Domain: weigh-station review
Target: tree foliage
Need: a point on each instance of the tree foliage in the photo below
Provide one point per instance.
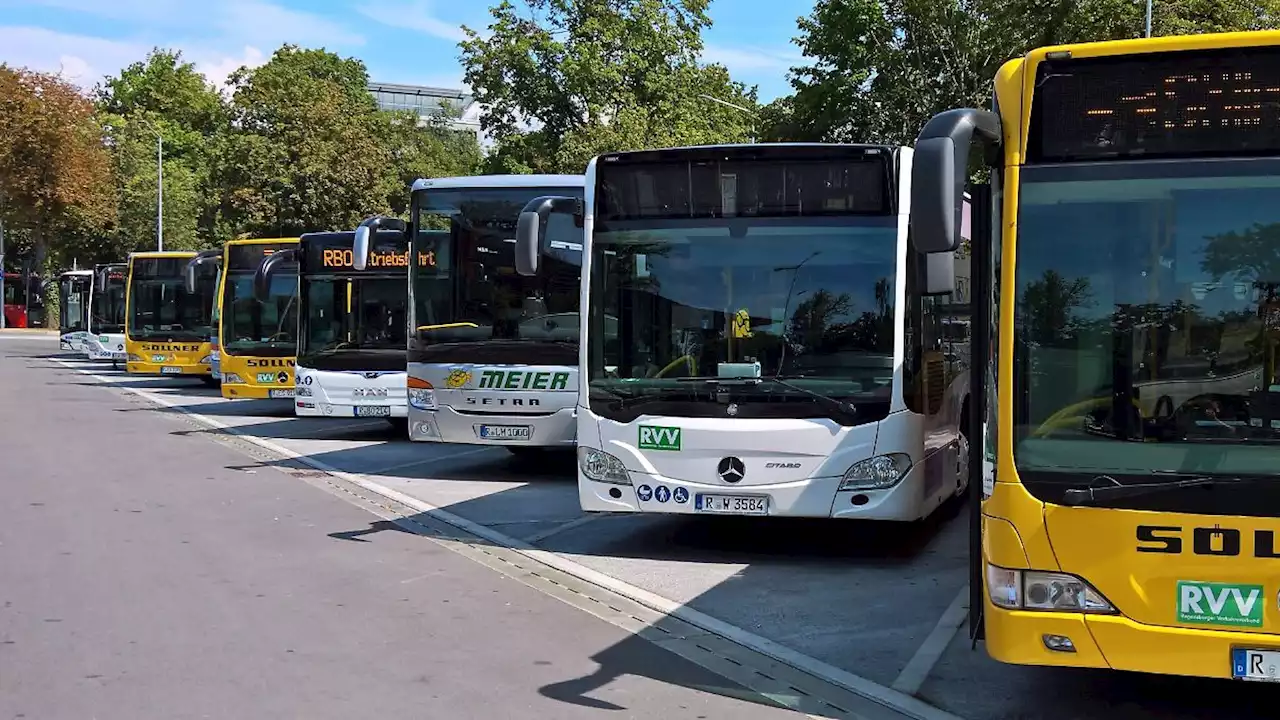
(881, 68)
(55, 172)
(564, 80)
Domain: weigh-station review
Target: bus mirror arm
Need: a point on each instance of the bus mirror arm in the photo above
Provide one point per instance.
(189, 273)
(267, 268)
(364, 234)
(531, 226)
(940, 172)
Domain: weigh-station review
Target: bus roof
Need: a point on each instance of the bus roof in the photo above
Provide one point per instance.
(660, 153)
(261, 241)
(162, 254)
(500, 181)
(1166, 43)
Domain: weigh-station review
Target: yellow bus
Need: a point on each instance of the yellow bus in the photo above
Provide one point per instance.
(1126, 318)
(168, 328)
(258, 340)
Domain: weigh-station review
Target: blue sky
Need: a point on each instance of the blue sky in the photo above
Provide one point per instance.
(407, 41)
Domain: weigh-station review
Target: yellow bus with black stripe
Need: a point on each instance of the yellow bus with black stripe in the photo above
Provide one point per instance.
(1126, 328)
(168, 328)
(258, 338)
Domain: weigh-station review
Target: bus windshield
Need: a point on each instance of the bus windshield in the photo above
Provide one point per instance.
(108, 304)
(1161, 324)
(268, 328)
(74, 310)
(806, 292)
(159, 306)
(473, 293)
(377, 319)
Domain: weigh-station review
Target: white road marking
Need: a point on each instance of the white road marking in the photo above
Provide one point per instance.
(930, 651)
(886, 696)
(552, 532)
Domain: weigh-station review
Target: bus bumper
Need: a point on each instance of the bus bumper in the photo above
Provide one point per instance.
(168, 369)
(817, 497)
(1115, 642)
(248, 391)
(310, 407)
(446, 425)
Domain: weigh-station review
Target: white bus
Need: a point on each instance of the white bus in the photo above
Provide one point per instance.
(74, 288)
(760, 339)
(493, 356)
(352, 326)
(105, 340)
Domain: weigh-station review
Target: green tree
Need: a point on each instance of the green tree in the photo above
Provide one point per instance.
(424, 148)
(881, 68)
(564, 80)
(162, 96)
(55, 172)
(303, 152)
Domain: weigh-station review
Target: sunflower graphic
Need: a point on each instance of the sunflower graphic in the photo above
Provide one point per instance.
(457, 378)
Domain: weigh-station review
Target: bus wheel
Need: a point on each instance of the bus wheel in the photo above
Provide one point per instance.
(961, 482)
(209, 380)
(400, 425)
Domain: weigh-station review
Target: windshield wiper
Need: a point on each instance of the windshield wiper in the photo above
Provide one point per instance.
(1080, 497)
(839, 406)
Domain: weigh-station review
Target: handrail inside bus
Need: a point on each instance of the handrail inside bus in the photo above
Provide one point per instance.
(446, 326)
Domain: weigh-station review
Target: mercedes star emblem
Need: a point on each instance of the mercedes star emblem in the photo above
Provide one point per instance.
(731, 469)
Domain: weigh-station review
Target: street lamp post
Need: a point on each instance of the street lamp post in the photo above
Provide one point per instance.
(1148, 18)
(726, 103)
(159, 184)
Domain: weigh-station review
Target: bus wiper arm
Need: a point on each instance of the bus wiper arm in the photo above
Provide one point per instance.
(1080, 497)
(840, 406)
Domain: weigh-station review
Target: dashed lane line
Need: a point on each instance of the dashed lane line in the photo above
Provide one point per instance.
(866, 699)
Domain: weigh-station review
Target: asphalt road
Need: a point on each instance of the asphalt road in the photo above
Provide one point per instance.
(517, 602)
(148, 575)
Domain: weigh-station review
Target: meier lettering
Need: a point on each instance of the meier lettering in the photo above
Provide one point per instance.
(523, 380)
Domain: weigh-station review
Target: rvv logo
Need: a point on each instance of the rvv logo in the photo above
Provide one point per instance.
(1207, 603)
(658, 437)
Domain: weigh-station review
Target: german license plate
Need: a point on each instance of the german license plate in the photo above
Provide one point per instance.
(117, 356)
(373, 411)
(170, 370)
(281, 393)
(506, 432)
(732, 504)
(1257, 665)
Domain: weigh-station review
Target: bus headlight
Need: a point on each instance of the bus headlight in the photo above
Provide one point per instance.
(600, 466)
(877, 473)
(232, 379)
(1036, 590)
(206, 360)
(135, 358)
(422, 394)
(302, 391)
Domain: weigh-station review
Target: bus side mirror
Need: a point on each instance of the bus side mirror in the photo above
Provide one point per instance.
(189, 274)
(267, 268)
(940, 171)
(364, 234)
(531, 227)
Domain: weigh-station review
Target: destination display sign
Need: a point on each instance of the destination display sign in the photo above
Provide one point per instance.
(1169, 104)
(159, 267)
(331, 253)
(246, 258)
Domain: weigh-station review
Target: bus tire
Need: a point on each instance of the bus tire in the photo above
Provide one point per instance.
(962, 483)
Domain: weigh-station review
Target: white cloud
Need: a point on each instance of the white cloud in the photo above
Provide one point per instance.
(750, 60)
(416, 15)
(218, 36)
(80, 59)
